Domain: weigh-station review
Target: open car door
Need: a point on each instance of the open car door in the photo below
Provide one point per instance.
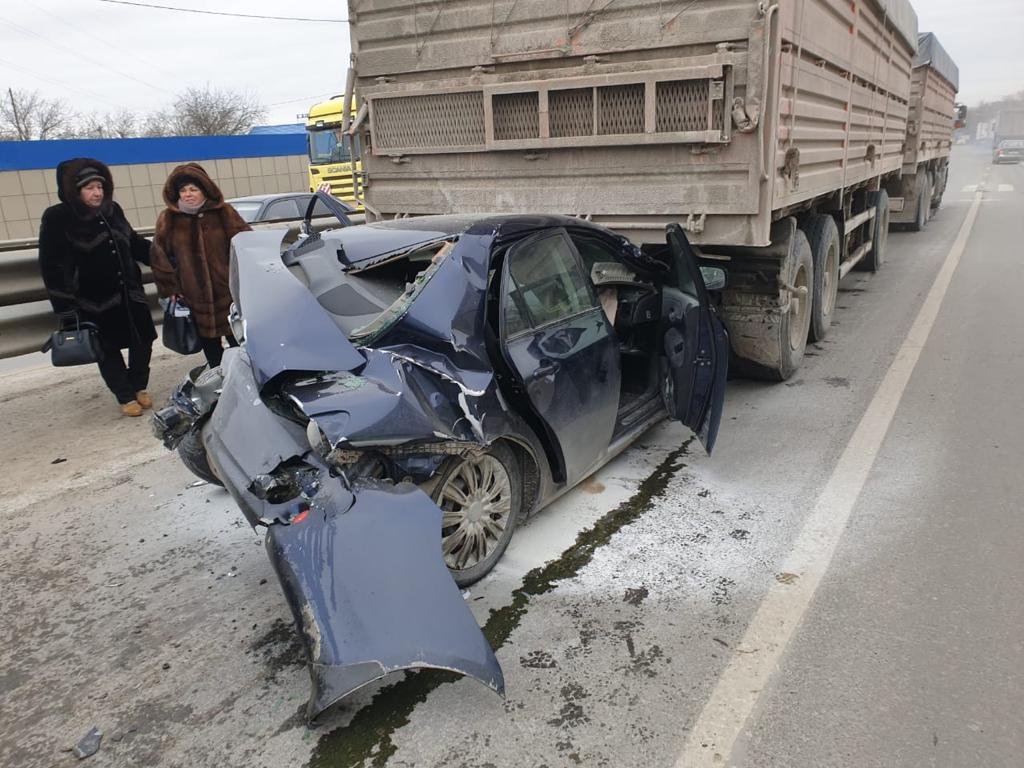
(696, 346)
(562, 351)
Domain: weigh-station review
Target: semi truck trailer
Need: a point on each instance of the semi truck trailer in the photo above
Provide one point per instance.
(933, 115)
(773, 132)
(1009, 126)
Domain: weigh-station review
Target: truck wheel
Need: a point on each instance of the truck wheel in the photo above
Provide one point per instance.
(795, 324)
(193, 455)
(481, 501)
(941, 178)
(921, 213)
(823, 237)
(879, 230)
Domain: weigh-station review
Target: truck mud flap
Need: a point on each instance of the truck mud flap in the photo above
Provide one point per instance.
(369, 590)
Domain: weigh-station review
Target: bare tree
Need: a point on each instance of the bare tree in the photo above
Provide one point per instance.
(208, 111)
(203, 111)
(27, 115)
(122, 124)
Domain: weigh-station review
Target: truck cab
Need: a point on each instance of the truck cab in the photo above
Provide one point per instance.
(330, 152)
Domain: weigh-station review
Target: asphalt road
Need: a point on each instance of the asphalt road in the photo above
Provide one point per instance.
(141, 603)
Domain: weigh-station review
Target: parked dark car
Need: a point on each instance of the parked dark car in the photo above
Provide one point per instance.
(1009, 151)
(406, 392)
(283, 206)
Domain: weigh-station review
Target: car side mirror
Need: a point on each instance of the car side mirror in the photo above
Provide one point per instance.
(714, 278)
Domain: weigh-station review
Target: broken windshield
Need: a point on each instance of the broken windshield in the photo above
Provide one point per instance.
(428, 259)
(366, 299)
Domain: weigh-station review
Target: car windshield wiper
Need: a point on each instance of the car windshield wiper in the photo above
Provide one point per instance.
(339, 209)
(308, 239)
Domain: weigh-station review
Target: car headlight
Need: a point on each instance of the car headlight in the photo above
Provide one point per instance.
(237, 323)
(317, 439)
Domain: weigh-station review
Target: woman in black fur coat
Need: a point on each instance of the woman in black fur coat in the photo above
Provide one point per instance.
(88, 256)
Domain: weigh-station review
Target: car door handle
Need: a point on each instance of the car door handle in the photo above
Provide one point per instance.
(546, 368)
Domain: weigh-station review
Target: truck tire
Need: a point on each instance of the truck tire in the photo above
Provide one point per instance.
(941, 178)
(769, 314)
(879, 230)
(921, 203)
(193, 455)
(796, 323)
(823, 237)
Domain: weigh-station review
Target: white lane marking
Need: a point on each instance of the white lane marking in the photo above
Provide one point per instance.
(1006, 187)
(971, 188)
(747, 674)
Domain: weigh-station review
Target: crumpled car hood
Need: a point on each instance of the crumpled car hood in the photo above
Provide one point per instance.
(360, 565)
(303, 338)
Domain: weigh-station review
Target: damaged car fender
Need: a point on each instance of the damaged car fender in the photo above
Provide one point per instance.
(371, 594)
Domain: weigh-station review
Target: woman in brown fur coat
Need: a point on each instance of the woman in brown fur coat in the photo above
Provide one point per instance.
(191, 253)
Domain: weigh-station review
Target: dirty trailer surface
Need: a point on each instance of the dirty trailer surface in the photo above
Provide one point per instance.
(436, 381)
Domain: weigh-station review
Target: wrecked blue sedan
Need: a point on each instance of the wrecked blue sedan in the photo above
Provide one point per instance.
(407, 391)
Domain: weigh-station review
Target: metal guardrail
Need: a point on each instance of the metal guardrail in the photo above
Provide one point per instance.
(26, 318)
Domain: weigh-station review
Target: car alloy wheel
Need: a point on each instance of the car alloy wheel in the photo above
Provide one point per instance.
(478, 504)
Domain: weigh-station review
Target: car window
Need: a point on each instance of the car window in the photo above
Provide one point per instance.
(283, 209)
(247, 210)
(545, 284)
(318, 210)
(593, 251)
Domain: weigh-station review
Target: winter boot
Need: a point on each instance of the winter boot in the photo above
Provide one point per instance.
(131, 408)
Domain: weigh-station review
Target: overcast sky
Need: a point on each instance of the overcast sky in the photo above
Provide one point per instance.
(101, 56)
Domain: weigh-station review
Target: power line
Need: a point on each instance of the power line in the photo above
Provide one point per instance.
(222, 13)
(93, 36)
(59, 83)
(293, 101)
(78, 54)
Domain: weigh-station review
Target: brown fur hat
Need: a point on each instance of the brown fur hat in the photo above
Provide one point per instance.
(195, 174)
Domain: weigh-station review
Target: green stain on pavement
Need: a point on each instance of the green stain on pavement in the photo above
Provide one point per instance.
(367, 737)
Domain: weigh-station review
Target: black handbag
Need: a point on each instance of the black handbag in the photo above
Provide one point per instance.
(75, 346)
(179, 333)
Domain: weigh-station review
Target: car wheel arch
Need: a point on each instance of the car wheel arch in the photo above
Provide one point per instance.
(529, 471)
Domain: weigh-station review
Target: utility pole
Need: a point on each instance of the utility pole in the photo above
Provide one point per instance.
(17, 121)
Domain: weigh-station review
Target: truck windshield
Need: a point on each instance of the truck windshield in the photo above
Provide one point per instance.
(325, 146)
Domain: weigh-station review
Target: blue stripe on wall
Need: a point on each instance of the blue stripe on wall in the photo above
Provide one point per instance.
(28, 155)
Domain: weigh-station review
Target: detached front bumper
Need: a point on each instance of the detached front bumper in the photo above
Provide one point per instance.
(360, 564)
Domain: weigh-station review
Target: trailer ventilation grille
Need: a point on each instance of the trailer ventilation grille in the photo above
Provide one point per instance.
(436, 120)
(682, 105)
(620, 109)
(571, 112)
(516, 116)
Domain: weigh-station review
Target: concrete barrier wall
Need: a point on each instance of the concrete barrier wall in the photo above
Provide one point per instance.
(24, 195)
(241, 165)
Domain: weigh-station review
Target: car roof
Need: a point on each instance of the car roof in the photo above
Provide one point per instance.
(265, 198)
(396, 235)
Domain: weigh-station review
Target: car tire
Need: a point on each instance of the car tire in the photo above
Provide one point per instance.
(879, 230)
(193, 455)
(823, 237)
(481, 501)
